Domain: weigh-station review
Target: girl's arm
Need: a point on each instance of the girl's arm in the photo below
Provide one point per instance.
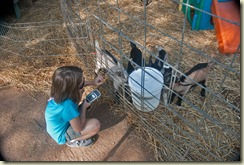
(79, 122)
(97, 81)
(83, 107)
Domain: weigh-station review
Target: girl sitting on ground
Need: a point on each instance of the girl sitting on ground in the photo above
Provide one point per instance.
(65, 119)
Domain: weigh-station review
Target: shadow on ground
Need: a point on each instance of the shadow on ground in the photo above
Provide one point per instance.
(23, 136)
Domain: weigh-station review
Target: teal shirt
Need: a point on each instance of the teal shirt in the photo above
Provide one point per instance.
(57, 118)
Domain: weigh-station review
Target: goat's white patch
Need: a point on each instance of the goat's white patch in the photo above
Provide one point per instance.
(115, 71)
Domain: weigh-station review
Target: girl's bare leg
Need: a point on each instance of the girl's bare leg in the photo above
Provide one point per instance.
(91, 128)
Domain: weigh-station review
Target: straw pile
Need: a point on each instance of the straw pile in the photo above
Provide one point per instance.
(29, 65)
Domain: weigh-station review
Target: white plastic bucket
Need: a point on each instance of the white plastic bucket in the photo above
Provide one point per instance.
(146, 99)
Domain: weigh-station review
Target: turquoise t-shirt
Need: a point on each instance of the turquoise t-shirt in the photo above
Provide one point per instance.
(57, 118)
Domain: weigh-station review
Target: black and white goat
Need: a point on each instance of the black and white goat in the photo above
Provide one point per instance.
(115, 70)
(162, 57)
(136, 57)
(105, 60)
(160, 64)
(198, 74)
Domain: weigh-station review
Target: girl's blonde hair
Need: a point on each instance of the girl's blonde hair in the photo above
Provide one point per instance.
(65, 84)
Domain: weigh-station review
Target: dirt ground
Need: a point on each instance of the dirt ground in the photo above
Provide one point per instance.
(23, 136)
(22, 131)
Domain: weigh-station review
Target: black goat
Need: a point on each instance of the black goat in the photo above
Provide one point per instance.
(165, 69)
(158, 64)
(197, 74)
(159, 61)
(135, 56)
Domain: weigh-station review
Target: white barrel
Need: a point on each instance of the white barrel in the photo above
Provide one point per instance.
(146, 99)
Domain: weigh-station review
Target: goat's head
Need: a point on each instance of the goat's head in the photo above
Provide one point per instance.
(117, 74)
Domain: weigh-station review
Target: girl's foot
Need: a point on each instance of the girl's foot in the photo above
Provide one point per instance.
(81, 143)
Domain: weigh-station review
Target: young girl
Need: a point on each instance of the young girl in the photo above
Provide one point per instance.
(66, 122)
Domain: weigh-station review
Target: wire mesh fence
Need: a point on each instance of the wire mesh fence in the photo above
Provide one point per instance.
(202, 128)
(34, 39)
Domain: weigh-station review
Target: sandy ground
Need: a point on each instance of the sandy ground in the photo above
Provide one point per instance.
(23, 136)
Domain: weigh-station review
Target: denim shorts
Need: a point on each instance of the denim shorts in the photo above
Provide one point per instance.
(70, 134)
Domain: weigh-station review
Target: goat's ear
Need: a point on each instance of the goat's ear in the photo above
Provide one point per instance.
(166, 58)
(97, 48)
(158, 49)
(150, 60)
(132, 45)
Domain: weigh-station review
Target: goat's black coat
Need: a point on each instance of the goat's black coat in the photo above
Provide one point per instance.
(168, 73)
(136, 56)
(158, 64)
(193, 69)
(111, 56)
(197, 67)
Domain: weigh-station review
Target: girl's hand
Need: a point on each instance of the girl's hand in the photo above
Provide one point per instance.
(85, 104)
(81, 91)
(98, 80)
